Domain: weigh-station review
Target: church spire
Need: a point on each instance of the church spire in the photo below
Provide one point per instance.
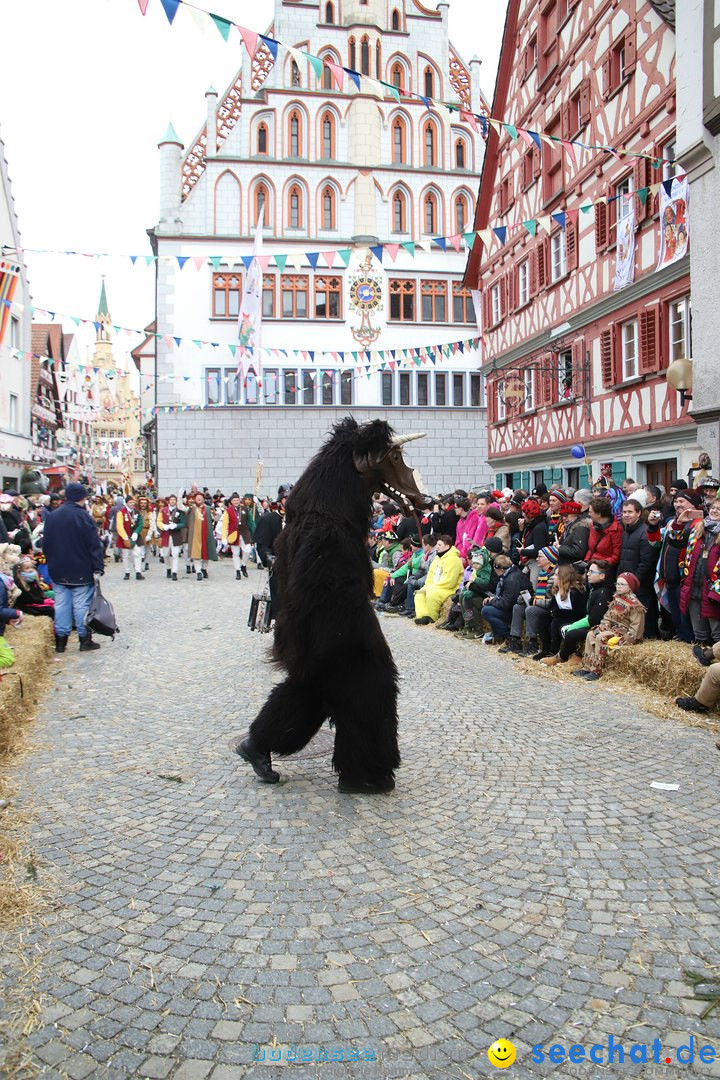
(103, 316)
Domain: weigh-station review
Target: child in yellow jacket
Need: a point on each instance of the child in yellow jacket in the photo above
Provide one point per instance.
(444, 577)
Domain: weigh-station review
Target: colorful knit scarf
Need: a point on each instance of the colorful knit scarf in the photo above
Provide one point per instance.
(685, 562)
(544, 585)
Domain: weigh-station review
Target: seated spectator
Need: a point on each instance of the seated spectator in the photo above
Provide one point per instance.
(638, 556)
(623, 624)
(396, 578)
(606, 534)
(465, 616)
(497, 609)
(708, 694)
(557, 497)
(535, 536)
(387, 554)
(33, 597)
(575, 533)
(467, 526)
(700, 581)
(442, 580)
(497, 526)
(417, 578)
(600, 591)
(568, 604)
(535, 612)
(9, 556)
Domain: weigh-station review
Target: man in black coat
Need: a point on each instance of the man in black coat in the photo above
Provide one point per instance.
(639, 557)
(74, 555)
(267, 530)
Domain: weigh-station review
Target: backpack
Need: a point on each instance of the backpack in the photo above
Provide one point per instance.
(100, 617)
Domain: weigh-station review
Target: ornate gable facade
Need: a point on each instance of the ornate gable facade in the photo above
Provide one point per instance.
(569, 360)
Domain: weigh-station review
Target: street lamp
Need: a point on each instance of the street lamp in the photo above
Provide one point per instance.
(679, 376)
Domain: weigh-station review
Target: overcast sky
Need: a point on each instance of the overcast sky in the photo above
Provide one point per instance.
(87, 88)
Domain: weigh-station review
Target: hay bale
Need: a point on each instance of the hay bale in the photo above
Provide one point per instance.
(22, 685)
(665, 667)
(444, 611)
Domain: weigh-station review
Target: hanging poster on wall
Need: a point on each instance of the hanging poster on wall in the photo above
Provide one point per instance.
(674, 220)
(625, 262)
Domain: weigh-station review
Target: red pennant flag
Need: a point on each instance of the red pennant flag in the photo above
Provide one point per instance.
(525, 137)
(251, 40)
(329, 257)
(469, 118)
(456, 241)
(392, 250)
(264, 261)
(143, 5)
(199, 261)
(570, 149)
(338, 73)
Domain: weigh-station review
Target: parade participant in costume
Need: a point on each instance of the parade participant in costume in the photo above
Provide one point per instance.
(142, 531)
(251, 512)
(127, 525)
(201, 541)
(153, 534)
(231, 534)
(337, 661)
(624, 621)
(172, 526)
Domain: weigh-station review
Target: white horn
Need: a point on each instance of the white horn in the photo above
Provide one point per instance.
(400, 440)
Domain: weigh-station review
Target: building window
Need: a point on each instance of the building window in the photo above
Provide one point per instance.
(262, 143)
(461, 213)
(399, 131)
(270, 386)
(261, 204)
(558, 255)
(397, 76)
(308, 387)
(463, 308)
(294, 74)
(294, 295)
(212, 386)
(290, 396)
(681, 329)
(669, 167)
(327, 388)
(13, 412)
(327, 297)
(226, 295)
(495, 303)
(619, 62)
(623, 203)
(378, 59)
(399, 212)
(477, 391)
(295, 216)
(329, 13)
(460, 154)
(268, 296)
(233, 387)
(395, 19)
(328, 208)
(328, 136)
(365, 56)
(14, 332)
(530, 55)
(429, 144)
(327, 76)
(352, 53)
(440, 388)
(429, 80)
(430, 213)
(458, 389)
(346, 385)
(529, 387)
(423, 390)
(500, 400)
(629, 343)
(434, 301)
(523, 293)
(565, 374)
(404, 387)
(295, 133)
(387, 388)
(402, 299)
(553, 164)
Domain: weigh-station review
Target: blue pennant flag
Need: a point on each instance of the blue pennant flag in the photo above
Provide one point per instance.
(378, 252)
(560, 218)
(500, 232)
(311, 354)
(177, 341)
(181, 260)
(247, 260)
(312, 257)
(133, 259)
(426, 101)
(353, 75)
(667, 184)
(171, 8)
(535, 138)
(271, 44)
(483, 126)
(441, 242)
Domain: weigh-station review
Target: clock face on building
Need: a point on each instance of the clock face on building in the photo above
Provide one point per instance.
(365, 293)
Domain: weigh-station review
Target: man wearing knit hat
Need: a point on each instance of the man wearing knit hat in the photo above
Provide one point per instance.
(575, 532)
(74, 555)
(536, 614)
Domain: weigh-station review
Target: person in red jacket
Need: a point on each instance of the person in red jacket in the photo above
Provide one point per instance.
(606, 534)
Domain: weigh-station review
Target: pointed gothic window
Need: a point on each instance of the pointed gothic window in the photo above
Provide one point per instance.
(294, 74)
(327, 76)
(295, 130)
(328, 208)
(365, 56)
(396, 19)
(461, 213)
(429, 82)
(460, 154)
(378, 60)
(262, 143)
(328, 136)
(261, 203)
(399, 212)
(352, 54)
(398, 76)
(399, 141)
(429, 144)
(430, 213)
(295, 207)
(329, 13)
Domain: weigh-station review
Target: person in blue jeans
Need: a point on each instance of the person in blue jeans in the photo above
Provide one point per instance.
(74, 555)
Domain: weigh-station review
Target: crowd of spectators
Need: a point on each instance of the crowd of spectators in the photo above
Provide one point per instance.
(558, 575)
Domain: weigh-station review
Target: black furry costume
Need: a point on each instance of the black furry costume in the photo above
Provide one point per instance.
(327, 636)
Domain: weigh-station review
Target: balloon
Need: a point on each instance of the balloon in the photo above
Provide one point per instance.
(578, 451)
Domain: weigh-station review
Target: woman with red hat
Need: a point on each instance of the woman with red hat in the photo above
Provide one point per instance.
(535, 537)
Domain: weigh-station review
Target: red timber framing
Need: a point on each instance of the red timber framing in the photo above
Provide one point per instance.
(582, 361)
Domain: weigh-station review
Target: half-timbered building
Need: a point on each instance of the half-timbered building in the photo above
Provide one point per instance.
(572, 360)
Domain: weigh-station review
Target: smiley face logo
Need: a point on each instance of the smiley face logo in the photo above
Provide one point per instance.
(501, 1054)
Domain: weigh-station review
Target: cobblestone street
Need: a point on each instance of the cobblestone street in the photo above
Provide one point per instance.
(524, 881)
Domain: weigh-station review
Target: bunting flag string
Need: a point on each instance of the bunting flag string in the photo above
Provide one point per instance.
(251, 39)
(501, 231)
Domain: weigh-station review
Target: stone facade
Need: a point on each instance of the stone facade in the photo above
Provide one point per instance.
(220, 448)
(338, 170)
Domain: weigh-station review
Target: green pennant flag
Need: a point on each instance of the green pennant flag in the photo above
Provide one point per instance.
(345, 254)
(531, 226)
(452, 108)
(196, 342)
(393, 90)
(410, 248)
(280, 261)
(642, 193)
(316, 64)
(512, 131)
(233, 349)
(469, 238)
(215, 260)
(223, 25)
(149, 260)
(586, 209)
